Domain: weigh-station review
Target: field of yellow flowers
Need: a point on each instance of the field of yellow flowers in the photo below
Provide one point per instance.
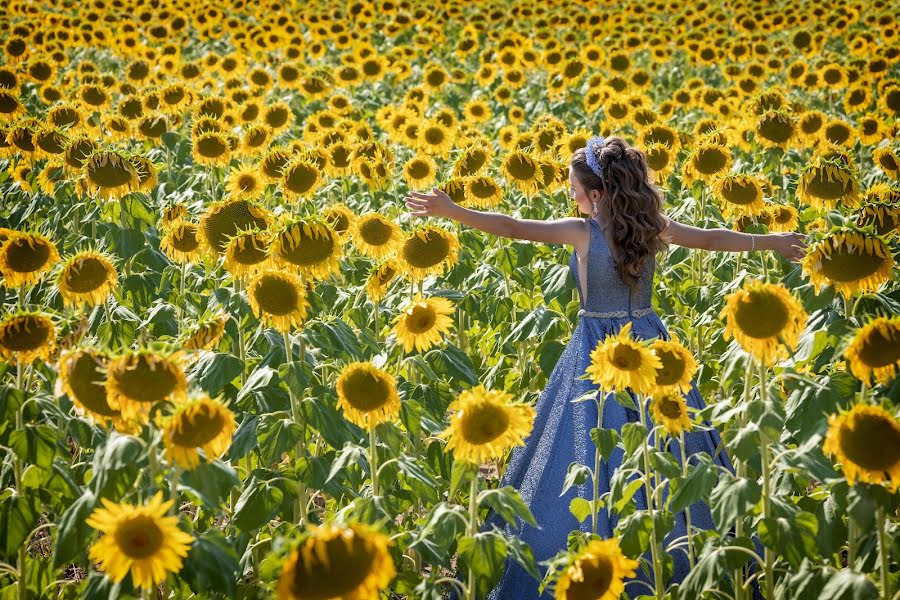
(234, 366)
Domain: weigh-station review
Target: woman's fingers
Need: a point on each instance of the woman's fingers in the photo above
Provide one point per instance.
(422, 195)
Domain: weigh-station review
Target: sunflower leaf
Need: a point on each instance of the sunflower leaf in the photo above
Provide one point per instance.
(508, 503)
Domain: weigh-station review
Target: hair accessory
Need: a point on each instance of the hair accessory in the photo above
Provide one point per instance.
(591, 149)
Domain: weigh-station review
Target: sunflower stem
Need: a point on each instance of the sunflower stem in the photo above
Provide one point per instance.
(595, 500)
(373, 460)
(885, 552)
(687, 511)
(377, 326)
(471, 526)
(21, 586)
(851, 542)
(648, 490)
(769, 557)
(22, 296)
(173, 488)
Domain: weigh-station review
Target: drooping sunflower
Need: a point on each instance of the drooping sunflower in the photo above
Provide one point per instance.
(882, 215)
(82, 377)
(225, 218)
(740, 195)
(474, 160)
(428, 250)
(483, 191)
(597, 572)
(336, 561)
(211, 149)
(485, 424)
(138, 380)
(866, 443)
(620, 362)
(340, 218)
(850, 260)
(419, 171)
(660, 159)
(300, 178)
(381, 277)
(368, 395)
(87, 277)
(245, 181)
(522, 170)
(422, 322)
(775, 128)
(874, 351)
(247, 253)
(109, 175)
(181, 242)
(887, 160)
(206, 334)
(25, 258)
(669, 409)
(278, 299)
(678, 366)
(141, 540)
(27, 336)
(200, 423)
(376, 236)
(707, 161)
(765, 319)
(310, 246)
(825, 182)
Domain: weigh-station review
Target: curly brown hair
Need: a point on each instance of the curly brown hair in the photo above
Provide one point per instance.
(631, 203)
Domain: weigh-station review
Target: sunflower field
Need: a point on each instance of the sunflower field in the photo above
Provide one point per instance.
(233, 365)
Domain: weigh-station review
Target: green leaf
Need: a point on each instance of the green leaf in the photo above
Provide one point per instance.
(625, 399)
(350, 454)
(244, 439)
(276, 435)
(18, 516)
(793, 538)
(34, 444)
(684, 491)
(633, 436)
(635, 531)
(73, 534)
(452, 362)
(214, 370)
(211, 482)
(605, 440)
(508, 503)
(485, 554)
(535, 323)
(437, 536)
(576, 474)
(849, 585)
(580, 508)
(460, 476)
(523, 554)
(211, 566)
(732, 499)
(257, 504)
(627, 493)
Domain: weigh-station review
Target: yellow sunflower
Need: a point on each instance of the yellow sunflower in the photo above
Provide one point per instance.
(784, 218)
(522, 170)
(851, 261)
(620, 362)
(141, 540)
(25, 258)
(422, 322)
(352, 562)
(597, 572)
(200, 423)
(483, 191)
(419, 171)
(245, 181)
(225, 218)
(278, 299)
(765, 318)
(27, 336)
(874, 351)
(678, 366)
(109, 175)
(669, 409)
(310, 246)
(340, 218)
(866, 443)
(82, 377)
(247, 253)
(485, 424)
(888, 161)
(181, 242)
(381, 277)
(376, 236)
(206, 334)
(367, 394)
(739, 195)
(707, 161)
(428, 250)
(138, 380)
(827, 181)
(87, 277)
(300, 178)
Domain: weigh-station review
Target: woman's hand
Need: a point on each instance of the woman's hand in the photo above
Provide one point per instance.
(436, 203)
(791, 245)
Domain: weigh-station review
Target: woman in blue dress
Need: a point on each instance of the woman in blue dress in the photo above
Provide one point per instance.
(613, 265)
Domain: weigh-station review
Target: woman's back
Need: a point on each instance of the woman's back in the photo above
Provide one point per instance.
(605, 290)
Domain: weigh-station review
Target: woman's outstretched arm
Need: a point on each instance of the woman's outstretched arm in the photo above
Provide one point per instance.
(572, 230)
(790, 245)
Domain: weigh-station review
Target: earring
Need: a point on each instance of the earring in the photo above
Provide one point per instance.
(595, 205)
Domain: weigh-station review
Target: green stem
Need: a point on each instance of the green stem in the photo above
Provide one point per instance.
(22, 296)
(377, 325)
(17, 468)
(173, 488)
(373, 460)
(852, 540)
(885, 551)
(741, 468)
(470, 531)
(648, 490)
(687, 511)
(767, 487)
(595, 501)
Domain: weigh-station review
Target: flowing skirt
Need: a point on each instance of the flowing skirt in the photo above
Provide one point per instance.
(561, 436)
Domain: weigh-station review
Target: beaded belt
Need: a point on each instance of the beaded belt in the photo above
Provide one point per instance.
(616, 314)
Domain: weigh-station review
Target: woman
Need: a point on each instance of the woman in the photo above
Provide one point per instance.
(613, 265)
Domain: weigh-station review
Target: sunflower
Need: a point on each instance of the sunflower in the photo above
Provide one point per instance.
(660, 159)
(678, 366)
(244, 181)
(367, 394)
(429, 250)
(775, 128)
(27, 336)
(381, 277)
(707, 161)
(852, 261)
(597, 572)
(140, 379)
(522, 170)
(419, 171)
(181, 242)
(52, 174)
(109, 175)
(278, 299)
(200, 423)
(25, 258)
(484, 424)
(474, 160)
(300, 178)
(376, 236)
(247, 253)
(82, 377)
(340, 218)
(206, 334)
(141, 540)
(826, 181)
(87, 277)
(784, 218)
(740, 195)
(483, 191)
(619, 362)
(422, 322)
(765, 318)
(669, 409)
(888, 161)
(874, 350)
(310, 246)
(866, 442)
(225, 218)
(435, 139)
(352, 562)
(882, 215)
(809, 125)
(146, 173)
(211, 149)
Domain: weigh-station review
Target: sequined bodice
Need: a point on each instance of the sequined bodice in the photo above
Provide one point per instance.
(606, 292)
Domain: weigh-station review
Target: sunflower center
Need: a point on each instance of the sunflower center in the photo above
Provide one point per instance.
(428, 252)
(86, 276)
(658, 158)
(822, 185)
(25, 257)
(300, 178)
(419, 169)
(669, 407)
(598, 577)
(880, 350)
(308, 250)
(250, 251)
(87, 383)
(710, 160)
(483, 423)
(672, 369)
(365, 391)
(276, 297)
(740, 192)
(228, 220)
(212, 146)
(334, 570)
(199, 428)
(483, 187)
(626, 358)
(111, 173)
(375, 232)
(146, 380)
(421, 319)
(761, 315)
(521, 168)
(26, 333)
(776, 129)
(850, 265)
(873, 442)
(139, 537)
(185, 239)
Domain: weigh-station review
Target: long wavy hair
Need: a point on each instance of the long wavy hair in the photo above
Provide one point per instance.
(631, 204)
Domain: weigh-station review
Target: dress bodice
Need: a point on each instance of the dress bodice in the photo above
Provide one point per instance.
(606, 292)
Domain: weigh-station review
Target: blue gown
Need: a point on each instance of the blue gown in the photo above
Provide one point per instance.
(561, 433)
